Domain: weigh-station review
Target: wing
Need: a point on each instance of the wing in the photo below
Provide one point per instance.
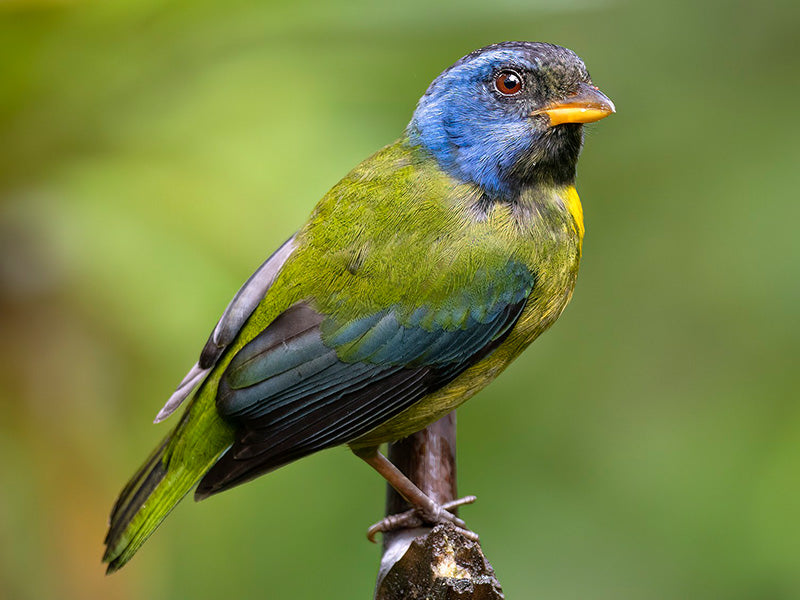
(309, 382)
(240, 308)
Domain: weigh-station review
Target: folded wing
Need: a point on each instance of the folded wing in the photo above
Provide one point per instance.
(310, 381)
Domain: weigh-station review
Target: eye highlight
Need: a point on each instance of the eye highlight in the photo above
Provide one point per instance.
(508, 82)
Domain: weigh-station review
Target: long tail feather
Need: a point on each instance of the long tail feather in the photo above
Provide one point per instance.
(162, 481)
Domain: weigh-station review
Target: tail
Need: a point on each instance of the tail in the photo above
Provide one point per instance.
(162, 481)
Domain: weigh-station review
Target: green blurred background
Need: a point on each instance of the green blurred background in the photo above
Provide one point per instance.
(153, 153)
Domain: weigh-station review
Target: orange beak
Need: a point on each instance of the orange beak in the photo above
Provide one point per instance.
(587, 106)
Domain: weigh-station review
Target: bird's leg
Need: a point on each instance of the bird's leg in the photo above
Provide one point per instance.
(425, 509)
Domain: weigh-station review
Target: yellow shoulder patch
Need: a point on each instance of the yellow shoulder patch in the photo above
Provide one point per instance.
(573, 204)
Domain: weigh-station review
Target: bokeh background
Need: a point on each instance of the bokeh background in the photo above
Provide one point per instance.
(153, 153)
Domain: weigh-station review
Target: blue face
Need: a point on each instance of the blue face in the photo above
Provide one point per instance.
(476, 117)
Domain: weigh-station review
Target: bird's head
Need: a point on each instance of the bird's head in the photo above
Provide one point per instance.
(508, 116)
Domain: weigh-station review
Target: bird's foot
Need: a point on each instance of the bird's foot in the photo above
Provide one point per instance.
(425, 515)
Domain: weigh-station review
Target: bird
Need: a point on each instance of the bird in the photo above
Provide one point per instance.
(417, 279)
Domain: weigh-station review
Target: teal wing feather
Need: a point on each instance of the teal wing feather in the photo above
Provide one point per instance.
(310, 381)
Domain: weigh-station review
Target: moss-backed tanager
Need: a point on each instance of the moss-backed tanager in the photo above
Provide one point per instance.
(416, 280)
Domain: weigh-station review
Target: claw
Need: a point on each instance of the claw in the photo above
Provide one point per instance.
(404, 520)
(459, 502)
(416, 517)
(469, 534)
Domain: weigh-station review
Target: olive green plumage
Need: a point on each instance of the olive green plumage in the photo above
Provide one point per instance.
(408, 290)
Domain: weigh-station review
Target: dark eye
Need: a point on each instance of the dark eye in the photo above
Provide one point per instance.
(508, 82)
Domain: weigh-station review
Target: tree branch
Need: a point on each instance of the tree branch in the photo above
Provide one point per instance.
(437, 563)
